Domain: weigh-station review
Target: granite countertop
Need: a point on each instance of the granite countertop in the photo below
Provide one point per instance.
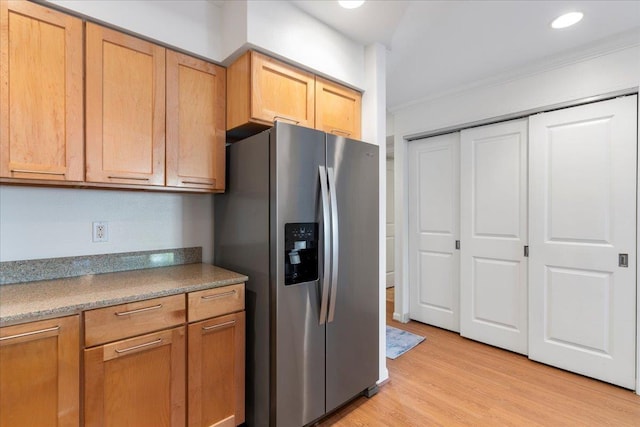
(54, 298)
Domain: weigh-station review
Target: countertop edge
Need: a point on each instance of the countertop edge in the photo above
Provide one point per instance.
(74, 309)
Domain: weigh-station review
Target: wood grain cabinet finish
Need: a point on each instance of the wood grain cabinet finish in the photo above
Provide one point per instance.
(126, 320)
(215, 302)
(196, 95)
(216, 371)
(338, 109)
(125, 108)
(262, 90)
(137, 382)
(40, 373)
(41, 94)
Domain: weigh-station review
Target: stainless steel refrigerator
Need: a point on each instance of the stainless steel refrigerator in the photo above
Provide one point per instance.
(300, 218)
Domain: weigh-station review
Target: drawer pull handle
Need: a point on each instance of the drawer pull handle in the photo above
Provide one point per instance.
(221, 325)
(139, 310)
(216, 296)
(295, 122)
(128, 177)
(26, 334)
(38, 172)
(135, 347)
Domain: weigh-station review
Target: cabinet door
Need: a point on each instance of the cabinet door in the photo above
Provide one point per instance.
(196, 93)
(216, 371)
(137, 382)
(281, 92)
(41, 126)
(125, 108)
(338, 109)
(39, 367)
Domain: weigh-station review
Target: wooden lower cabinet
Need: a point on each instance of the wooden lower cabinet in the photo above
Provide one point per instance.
(137, 382)
(40, 373)
(216, 371)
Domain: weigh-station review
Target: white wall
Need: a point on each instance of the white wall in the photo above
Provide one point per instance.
(193, 25)
(600, 74)
(373, 130)
(282, 30)
(38, 222)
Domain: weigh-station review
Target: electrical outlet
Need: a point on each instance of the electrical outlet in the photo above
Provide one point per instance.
(100, 231)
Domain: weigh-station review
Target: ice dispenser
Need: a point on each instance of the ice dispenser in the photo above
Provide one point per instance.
(301, 252)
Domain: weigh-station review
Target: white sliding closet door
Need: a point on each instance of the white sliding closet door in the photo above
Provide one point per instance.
(493, 231)
(434, 263)
(582, 217)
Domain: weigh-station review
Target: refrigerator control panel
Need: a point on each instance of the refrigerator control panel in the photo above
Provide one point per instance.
(301, 252)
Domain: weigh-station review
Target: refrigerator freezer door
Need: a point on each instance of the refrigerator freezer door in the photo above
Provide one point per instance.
(298, 367)
(352, 337)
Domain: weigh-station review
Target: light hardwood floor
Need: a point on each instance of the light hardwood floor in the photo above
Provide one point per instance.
(448, 380)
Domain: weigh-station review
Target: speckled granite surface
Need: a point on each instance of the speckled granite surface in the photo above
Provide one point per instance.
(55, 268)
(53, 298)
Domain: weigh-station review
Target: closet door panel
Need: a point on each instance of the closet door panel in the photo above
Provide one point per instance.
(434, 265)
(583, 217)
(493, 229)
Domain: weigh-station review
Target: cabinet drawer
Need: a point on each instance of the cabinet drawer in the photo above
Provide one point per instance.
(215, 302)
(126, 320)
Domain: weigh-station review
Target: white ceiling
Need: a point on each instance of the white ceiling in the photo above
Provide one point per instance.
(437, 47)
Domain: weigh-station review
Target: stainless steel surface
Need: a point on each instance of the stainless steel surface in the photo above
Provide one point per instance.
(139, 310)
(352, 338)
(139, 346)
(299, 375)
(218, 326)
(28, 334)
(326, 221)
(335, 252)
(242, 242)
(298, 369)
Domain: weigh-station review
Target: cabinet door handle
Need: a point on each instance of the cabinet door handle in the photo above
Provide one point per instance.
(212, 182)
(27, 334)
(295, 122)
(136, 347)
(216, 296)
(340, 132)
(139, 310)
(221, 325)
(38, 172)
(127, 177)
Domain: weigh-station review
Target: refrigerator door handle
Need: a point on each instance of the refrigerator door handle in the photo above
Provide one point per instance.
(334, 240)
(324, 298)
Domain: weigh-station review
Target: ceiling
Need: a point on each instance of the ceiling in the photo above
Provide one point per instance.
(439, 47)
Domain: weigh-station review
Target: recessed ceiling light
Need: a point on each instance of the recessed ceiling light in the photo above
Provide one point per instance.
(350, 4)
(566, 20)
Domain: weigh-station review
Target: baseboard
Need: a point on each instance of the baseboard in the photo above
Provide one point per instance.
(402, 318)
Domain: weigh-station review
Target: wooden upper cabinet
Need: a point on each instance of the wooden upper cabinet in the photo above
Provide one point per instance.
(338, 109)
(41, 126)
(40, 372)
(196, 95)
(125, 108)
(262, 90)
